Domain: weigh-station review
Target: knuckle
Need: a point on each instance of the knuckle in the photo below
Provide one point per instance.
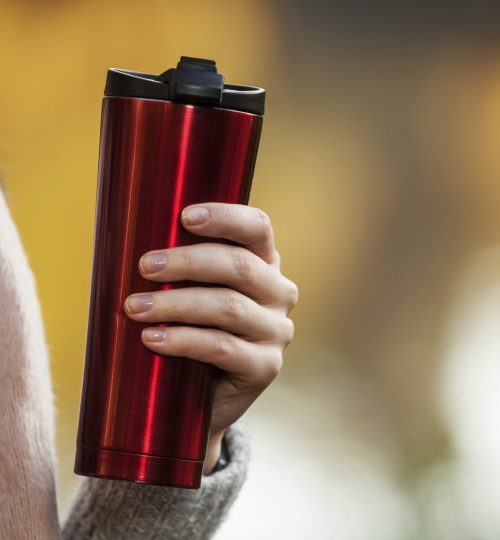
(289, 331)
(277, 258)
(224, 346)
(264, 218)
(232, 305)
(266, 229)
(242, 262)
(186, 256)
(227, 211)
(272, 367)
(291, 294)
(294, 293)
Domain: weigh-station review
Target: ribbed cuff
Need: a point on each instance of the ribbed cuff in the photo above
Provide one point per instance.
(112, 509)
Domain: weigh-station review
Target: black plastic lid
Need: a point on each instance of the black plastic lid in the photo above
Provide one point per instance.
(195, 80)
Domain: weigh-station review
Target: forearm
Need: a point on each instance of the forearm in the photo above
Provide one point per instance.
(213, 452)
(27, 487)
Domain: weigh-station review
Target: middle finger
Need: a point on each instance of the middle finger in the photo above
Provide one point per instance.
(220, 307)
(233, 266)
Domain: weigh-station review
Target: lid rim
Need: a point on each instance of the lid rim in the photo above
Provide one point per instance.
(135, 84)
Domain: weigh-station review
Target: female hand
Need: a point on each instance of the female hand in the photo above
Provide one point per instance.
(249, 310)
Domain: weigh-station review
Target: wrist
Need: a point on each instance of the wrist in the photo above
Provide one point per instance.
(213, 453)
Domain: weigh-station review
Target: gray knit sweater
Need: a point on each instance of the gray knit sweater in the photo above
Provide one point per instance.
(115, 509)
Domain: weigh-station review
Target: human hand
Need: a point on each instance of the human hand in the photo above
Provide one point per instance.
(249, 312)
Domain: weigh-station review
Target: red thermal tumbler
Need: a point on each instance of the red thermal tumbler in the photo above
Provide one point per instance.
(167, 141)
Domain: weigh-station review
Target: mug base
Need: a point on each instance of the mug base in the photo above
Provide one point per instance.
(139, 468)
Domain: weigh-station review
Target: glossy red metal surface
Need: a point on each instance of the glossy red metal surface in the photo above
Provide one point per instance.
(145, 417)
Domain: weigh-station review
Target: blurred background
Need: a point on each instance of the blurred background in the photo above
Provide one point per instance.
(379, 165)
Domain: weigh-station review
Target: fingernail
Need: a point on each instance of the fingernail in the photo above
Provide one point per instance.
(138, 303)
(153, 262)
(153, 334)
(195, 216)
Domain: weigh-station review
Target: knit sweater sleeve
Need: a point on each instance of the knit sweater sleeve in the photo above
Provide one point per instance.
(114, 509)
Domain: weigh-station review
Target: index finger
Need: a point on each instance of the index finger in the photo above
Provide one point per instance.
(240, 223)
